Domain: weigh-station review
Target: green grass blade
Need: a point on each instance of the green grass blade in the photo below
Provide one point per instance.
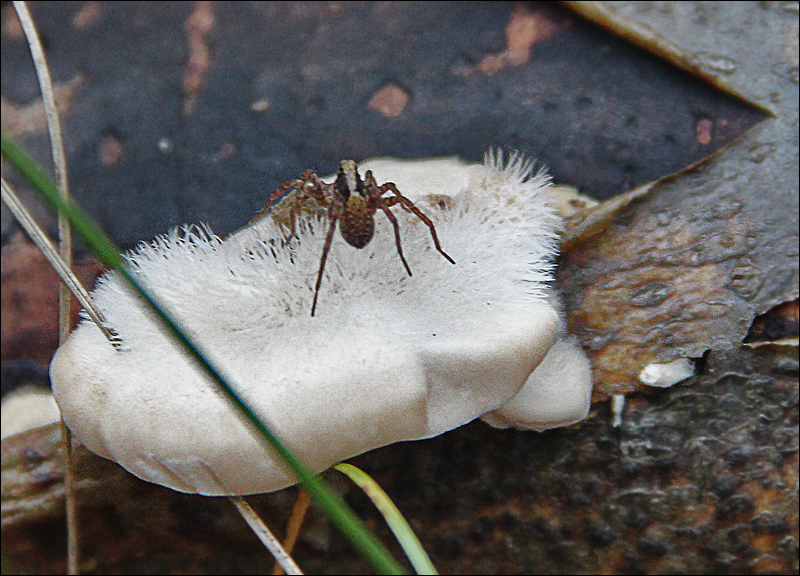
(402, 531)
(102, 247)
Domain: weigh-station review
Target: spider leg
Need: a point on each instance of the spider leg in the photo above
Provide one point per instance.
(307, 177)
(383, 206)
(272, 200)
(325, 250)
(292, 213)
(409, 205)
(313, 194)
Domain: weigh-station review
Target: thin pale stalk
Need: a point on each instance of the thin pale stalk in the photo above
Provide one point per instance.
(267, 538)
(44, 244)
(59, 158)
(293, 527)
(394, 518)
(65, 250)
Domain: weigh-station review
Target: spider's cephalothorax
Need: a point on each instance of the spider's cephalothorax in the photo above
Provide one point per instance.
(352, 202)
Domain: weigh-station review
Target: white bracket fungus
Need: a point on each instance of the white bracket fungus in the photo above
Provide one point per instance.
(25, 409)
(387, 357)
(666, 375)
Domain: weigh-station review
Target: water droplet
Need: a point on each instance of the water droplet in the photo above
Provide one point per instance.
(165, 145)
(651, 294)
(663, 218)
(598, 341)
(760, 152)
(718, 63)
(745, 280)
(787, 71)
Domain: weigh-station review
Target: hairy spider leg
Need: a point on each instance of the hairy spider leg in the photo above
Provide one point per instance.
(406, 203)
(296, 184)
(314, 193)
(308, 187)
(383, 205)
(325, 250)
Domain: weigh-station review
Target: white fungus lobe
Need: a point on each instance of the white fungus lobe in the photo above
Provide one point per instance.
(668, 374)
(387, 357)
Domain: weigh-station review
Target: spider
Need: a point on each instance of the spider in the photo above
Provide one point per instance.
(352, 202)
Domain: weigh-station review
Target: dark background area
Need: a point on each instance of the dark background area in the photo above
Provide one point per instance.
(602, 114)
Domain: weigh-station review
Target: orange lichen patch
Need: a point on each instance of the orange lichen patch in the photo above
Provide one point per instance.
(492, 64)
(783, 475)
(390, 100)
(768, 564)
(259, 106)
(703, 129)
(198, 28)
(87, 15)
(767, 525)
(29, 301)
(19, 120)
(526, 27)
(111, 150)
(12, 27)
(226, 151)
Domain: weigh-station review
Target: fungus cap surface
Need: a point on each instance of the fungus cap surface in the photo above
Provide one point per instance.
(386, 358)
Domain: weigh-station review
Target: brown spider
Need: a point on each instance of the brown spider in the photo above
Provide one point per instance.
(352, 202)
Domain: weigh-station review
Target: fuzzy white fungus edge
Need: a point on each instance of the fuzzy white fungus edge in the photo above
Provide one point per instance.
(387, 357)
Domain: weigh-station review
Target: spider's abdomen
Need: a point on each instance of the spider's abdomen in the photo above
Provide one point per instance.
(357, 224)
